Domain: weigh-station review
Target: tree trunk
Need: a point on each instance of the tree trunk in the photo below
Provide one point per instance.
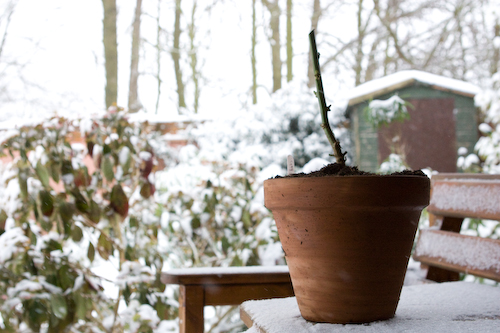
(134, 104)
(158, 57)
(289, 47)
(359, 52)
(311, 82)
(110, 51)
(496, 51)
(194, 59)
(274, 24)
(176, 54)
(253, 58)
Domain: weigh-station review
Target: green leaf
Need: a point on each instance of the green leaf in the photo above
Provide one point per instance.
(3, 219)
(55, 170)
(126, 294)
(59, 306)
(119, 201)
(23, 183)
(81, 306)
(195, 222)
(43, 174)
(66, 211)
(104, 247)
(81, 177)
(90, 148)
(46, 203)
(46, 224)
(246, 218)
(133, 222)
(76, 233)
(35, 313)
(66, 167)
(91, 252)
(66, 277)
(80, 202)
(106, 149)
(107, 168)
(147, 190)
(94, 213)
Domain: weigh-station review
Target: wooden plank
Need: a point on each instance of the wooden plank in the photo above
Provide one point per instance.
(236, 294)
(460, 253)
(191, 303)
(445, 223)
(466, 195)
(245, 317)
(227, 275)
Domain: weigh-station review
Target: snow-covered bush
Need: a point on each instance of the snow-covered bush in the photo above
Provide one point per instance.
(79, 231)
(287, 124)
(384, 112)
(393, 163)
(488, 146)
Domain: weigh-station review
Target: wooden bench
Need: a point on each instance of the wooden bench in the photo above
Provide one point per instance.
(224, 286)
(442, 247)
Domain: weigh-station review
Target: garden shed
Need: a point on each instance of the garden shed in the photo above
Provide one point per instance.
(442, 118)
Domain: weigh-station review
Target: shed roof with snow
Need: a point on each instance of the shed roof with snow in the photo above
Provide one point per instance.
(442, 119)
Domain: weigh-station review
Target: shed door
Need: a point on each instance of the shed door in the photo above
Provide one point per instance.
(427, 139)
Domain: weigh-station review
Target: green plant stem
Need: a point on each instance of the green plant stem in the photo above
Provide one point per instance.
(337, 150)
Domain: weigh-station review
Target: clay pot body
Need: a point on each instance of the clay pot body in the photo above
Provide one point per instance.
(347, 241)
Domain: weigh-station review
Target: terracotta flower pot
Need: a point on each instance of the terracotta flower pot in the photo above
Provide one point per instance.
(347, 241)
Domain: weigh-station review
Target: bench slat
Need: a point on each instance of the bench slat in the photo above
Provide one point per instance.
(227, 275)
(466, 195)
(460, 253)
(236, 294)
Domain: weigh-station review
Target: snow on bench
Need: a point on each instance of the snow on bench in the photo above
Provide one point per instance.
(454, 197)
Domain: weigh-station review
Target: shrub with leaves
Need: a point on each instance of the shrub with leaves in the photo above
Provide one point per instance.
(384, 112)
(287, 124)
(85, 233)
(72, 218)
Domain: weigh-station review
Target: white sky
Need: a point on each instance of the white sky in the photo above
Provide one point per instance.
(61, 40)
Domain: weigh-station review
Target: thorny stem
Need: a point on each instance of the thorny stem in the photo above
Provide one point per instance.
(337, 150)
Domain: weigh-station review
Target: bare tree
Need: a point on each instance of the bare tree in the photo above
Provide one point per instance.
(289, 46)
(195, 73)
(158, 50)
(362, 29)
(253, 57)
(110, 51)
(274, 24)
(8, 12)
(134, 104)
(176, 53)
(495, 60)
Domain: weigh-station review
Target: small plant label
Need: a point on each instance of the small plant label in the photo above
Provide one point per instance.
(290, 165)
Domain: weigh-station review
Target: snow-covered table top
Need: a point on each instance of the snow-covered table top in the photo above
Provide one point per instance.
(444, 307)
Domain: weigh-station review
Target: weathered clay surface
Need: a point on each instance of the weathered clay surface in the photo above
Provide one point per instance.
(347, 241)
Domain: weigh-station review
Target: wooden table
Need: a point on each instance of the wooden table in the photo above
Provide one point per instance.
(440, 307)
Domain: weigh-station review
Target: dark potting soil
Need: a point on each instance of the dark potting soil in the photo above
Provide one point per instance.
(335, 169)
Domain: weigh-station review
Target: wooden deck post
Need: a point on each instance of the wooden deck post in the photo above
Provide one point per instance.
(191, 303)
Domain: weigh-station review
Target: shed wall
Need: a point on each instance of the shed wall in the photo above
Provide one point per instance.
(365, 150)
